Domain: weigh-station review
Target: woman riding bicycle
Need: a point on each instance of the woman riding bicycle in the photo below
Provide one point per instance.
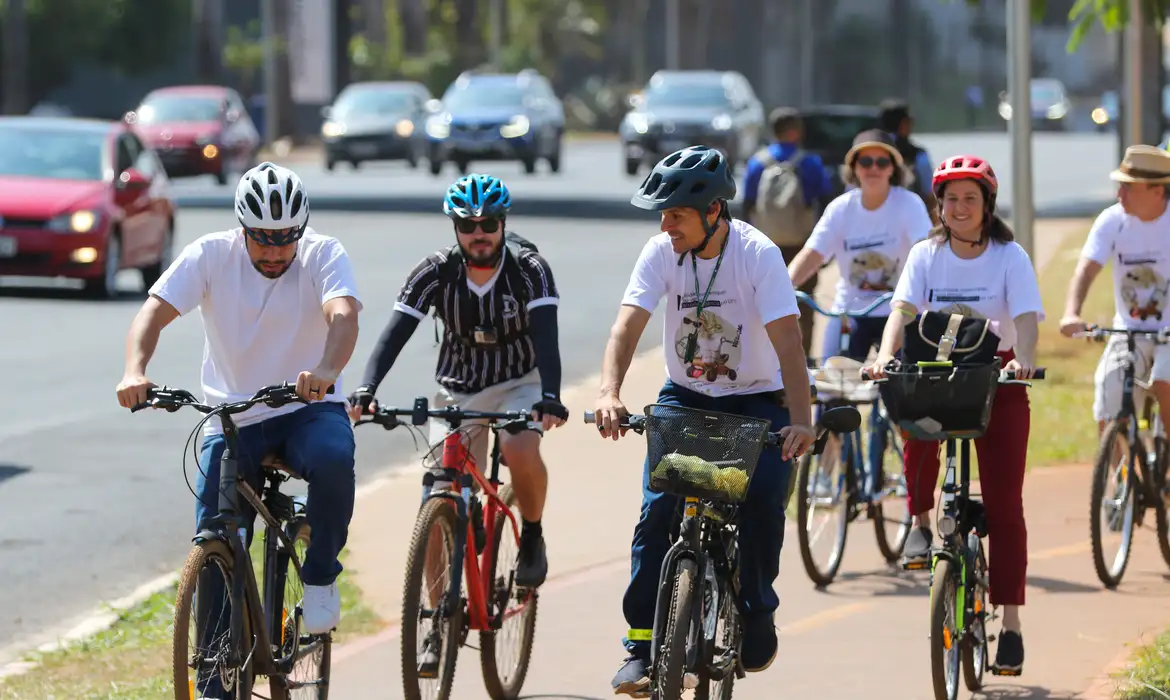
(870, 231)
(970, 265)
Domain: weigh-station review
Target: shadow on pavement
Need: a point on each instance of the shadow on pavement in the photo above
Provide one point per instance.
(1020, 692)
(9, 471)
(879, 583)
(1056, 585)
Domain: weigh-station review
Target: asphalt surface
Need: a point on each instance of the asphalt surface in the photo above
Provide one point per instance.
(93, 499)
(1070, 175)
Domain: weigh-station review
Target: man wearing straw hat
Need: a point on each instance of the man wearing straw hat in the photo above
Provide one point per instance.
(1135, 235)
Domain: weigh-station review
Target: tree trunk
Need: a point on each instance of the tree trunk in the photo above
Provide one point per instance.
(415, 26)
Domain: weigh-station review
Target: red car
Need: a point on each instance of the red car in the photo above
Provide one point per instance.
(197, 130)
(84, 199)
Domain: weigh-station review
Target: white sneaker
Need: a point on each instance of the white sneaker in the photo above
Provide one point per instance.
(322, 608)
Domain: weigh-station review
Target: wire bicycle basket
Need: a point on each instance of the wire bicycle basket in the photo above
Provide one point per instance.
(704, 454)
(937, 402)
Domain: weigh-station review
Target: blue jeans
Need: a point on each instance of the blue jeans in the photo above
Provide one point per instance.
(761, 521)
(865, 333)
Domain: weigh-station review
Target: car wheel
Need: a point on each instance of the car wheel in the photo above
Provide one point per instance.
(554, 159)
(436, 166)
(529, 164)
(152, 272)
(105, 287)
(462, 164)
(632, 166)
(221, 176)
(329, 163)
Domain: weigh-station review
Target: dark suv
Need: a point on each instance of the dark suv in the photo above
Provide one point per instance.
(829, 131)
(493, 116)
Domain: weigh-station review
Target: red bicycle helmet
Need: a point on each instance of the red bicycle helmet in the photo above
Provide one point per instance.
(965, 168)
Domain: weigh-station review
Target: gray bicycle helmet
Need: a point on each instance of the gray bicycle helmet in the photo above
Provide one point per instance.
(693, 177)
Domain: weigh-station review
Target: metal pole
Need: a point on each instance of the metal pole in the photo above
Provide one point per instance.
(673, 56)
(15, 60)
(807, 40)
(497, 32)
(1019, 36)
(271, 93)
(1132, 102)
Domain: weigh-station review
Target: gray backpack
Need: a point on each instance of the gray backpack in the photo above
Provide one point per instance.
(780, 212)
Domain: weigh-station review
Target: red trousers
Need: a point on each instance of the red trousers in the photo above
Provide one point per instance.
(1002, 455)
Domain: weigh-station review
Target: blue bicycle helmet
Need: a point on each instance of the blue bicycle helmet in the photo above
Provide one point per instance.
(692, 177)
(477, 195)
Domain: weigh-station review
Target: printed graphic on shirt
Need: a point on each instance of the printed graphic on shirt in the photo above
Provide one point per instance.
(717, 350)
(870, 271)
(959, 300)
(1143, 289)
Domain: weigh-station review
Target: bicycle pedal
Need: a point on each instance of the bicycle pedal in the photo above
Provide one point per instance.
(1010, 672)
(916, 565)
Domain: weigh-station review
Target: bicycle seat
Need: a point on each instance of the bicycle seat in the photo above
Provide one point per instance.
(840, 378)
(274, 461)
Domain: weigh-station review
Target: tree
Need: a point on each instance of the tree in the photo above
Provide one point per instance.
(1112, 15)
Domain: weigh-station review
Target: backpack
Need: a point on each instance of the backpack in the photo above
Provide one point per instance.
(910, 153)
(781, 212)
(449, 269)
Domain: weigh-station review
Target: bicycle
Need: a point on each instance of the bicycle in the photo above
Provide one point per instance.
(841, 479)
(707, 459)
(959, 584)
(253, 648)
(1142, 441)
(492, 598)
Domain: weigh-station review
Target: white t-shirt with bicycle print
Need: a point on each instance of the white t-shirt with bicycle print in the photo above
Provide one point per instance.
(998, 285)
(733, 353)
(1140, 253)
(870, 246)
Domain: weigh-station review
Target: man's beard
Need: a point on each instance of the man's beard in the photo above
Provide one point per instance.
(272, 274)
(487, 260)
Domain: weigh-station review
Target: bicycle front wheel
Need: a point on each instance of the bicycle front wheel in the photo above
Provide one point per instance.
(891, 513)
(1112, 503)
(974, 646)
(672, 657)
(506, 650)
(822, 511)
(309, 657)
(431, 629)
(206, 660)
(944, 631)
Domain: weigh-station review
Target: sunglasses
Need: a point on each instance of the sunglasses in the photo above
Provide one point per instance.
(274, 237)
(870, 161)
(469, 225)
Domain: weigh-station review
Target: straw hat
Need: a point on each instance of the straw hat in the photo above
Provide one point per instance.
(874, 138)
(1146, 164)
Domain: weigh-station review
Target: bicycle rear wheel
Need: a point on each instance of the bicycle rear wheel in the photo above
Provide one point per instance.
(431, 632)
(823, 487)
(199, 652)
(671, 658)
(503, 679)
(944, 635)
(1112, 503)
(310, 657)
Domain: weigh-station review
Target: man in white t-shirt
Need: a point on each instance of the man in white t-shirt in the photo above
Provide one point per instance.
(279, 304)
(732, 344)
(1135, 235)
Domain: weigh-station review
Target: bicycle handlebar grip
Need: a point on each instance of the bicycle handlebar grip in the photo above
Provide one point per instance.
(589, 417)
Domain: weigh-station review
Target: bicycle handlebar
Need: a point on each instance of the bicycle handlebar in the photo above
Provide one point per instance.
(1006, 376)
(274, 396)
(388, 417)
(1098, 333)
(807, 300)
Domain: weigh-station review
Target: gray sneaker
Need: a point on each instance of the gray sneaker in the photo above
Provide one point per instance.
(632, 678)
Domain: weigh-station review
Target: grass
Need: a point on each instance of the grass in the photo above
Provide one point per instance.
(1148, 675)
(131, 659)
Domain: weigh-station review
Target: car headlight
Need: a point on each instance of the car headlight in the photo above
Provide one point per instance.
(638, 122)
(438, 128)
(515, 128)
(721, 122)
(1100, 116)
(332, 130)
(1057, 111)
(82, 221)
(404, 128)
(1005, 110)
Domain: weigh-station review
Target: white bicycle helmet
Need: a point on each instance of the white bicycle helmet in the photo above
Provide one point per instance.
(271, 205)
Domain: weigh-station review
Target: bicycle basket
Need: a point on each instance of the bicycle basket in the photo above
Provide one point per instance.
(705, 454)
(936, 403)
(840, 379)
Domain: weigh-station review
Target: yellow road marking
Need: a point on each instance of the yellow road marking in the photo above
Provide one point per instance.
(822, 618)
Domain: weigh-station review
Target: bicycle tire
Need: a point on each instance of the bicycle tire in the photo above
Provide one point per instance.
(891, 551)
(942, 589)
(497, 688)
(437, 511)
(297, 530)
(1111, 577)
(821, 577)
(199, 556)
(731, 639)
(671, 659)
(974, 647)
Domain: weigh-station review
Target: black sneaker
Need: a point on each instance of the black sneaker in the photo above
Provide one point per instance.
(632, 678)
(759, 643)
(917, 548)
(532, 564)
(1009, 654)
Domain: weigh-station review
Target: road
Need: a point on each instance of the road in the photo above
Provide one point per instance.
(1068, 168)
(93, 499)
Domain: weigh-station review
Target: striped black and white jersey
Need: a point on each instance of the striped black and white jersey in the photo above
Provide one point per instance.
(485, 329)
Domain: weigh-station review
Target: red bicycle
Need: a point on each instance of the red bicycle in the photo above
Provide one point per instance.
(453, 514)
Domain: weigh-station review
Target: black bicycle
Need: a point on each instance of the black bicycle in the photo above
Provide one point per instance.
(458, 540)
(259, 639)
(707, 458)
(1129, 474)
(920, 396)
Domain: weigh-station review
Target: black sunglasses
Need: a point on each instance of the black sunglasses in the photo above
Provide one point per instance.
(469, 225)
(870, 161)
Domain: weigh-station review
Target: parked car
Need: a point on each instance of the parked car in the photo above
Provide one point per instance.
(377, 120)
(83, 199)
(494, 116)
(829, 131)
(1050, 105)
(197, 130)
(683, 108)
(1107, 115)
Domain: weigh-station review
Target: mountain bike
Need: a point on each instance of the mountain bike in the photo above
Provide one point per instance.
(959, 574)
(707, 459)
(1130, 471)
(260, 639)
(840, 479)
(436, 622)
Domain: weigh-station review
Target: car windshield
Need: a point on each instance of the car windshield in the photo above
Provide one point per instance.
(687, 95)
(179, 108)
(371, 103)
(834, 132)
(484, 96)
(1046, 93)
(1109, 100)
(59, 154)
